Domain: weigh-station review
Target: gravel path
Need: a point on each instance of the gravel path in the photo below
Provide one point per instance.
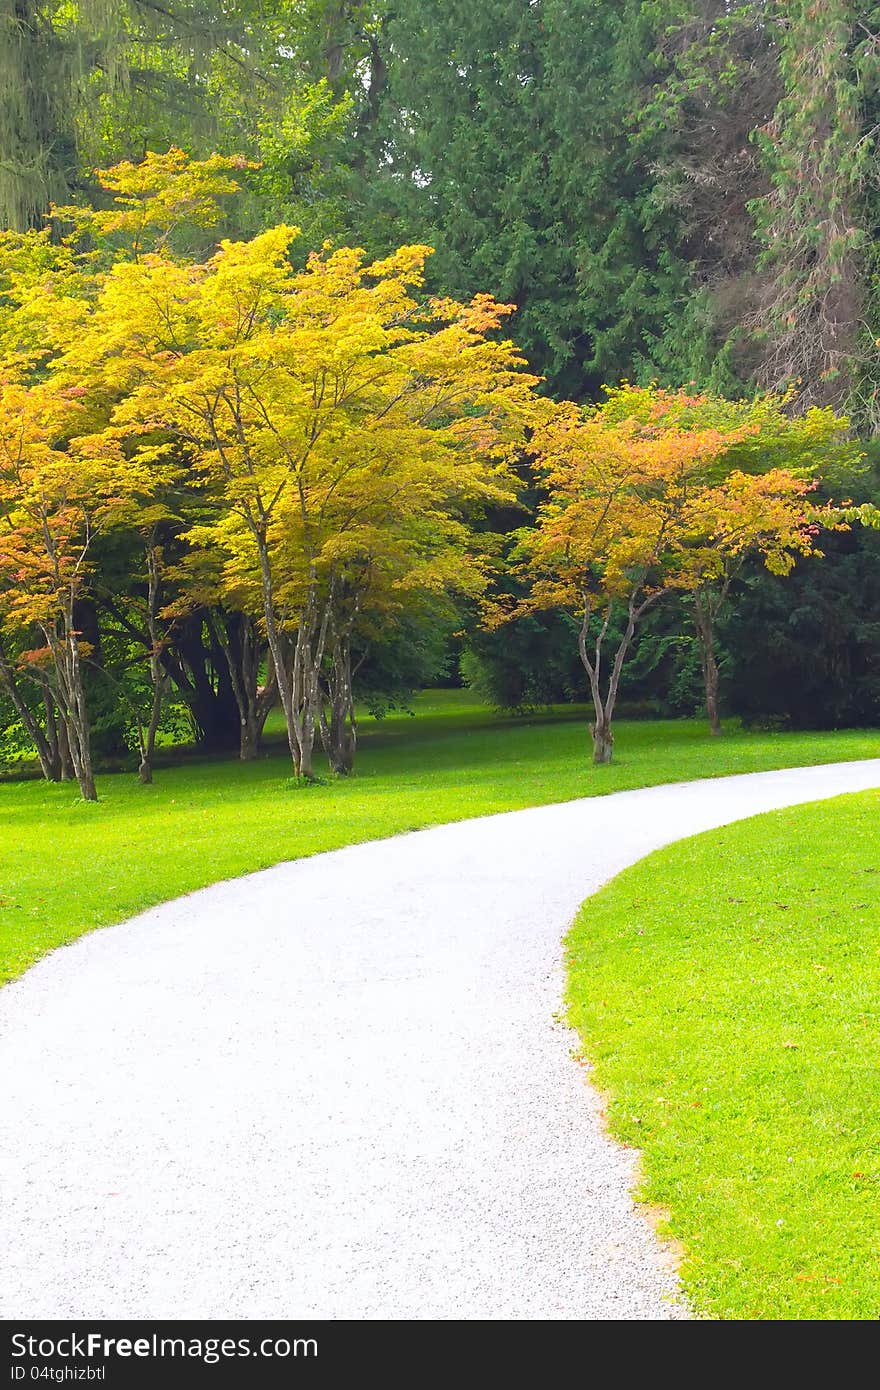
(336, 1088)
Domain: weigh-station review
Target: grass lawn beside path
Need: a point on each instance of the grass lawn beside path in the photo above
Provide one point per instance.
(67, 866)
(727, 991)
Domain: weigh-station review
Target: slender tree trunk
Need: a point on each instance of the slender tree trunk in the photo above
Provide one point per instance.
(145, 771)
(249, 745)
(705, 625)
(248, 676)
(339, 731)
(308, 657)
(86, 777)
(600, 729)
(283, 675)
(603, 741)
(64, 754)
(604, 705)
(82, 760)
(55, 735)
(710, 676)
(71, 701)
(158, 678)
(81, 728)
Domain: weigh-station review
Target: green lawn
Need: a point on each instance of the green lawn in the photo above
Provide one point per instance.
(727, 990)
(67, 866)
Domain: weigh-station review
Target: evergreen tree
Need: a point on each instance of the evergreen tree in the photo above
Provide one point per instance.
(502, 138)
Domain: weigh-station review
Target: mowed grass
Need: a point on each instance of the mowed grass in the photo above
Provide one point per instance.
(727, 990)
(67, 866)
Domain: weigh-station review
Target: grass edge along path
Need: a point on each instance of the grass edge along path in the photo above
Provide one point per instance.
(67, 867)
(726, 990)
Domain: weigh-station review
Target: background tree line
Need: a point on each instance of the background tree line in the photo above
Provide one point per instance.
(662, 188)
(665, 191)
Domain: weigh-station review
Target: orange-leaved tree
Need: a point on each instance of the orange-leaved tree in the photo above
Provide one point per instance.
(618, 479)
(646, 493)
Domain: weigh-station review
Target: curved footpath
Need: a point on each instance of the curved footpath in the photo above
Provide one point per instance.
(337, 1088)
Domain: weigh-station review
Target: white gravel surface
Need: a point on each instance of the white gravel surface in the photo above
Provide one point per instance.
(338, 1089)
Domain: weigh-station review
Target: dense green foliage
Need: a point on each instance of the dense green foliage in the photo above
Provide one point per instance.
(507, 127)
(806, 652)
(733, 1031)
(208, 820)
(670, 187)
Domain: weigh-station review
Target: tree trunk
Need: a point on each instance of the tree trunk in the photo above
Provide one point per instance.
(603, 741)
(145, 771)
(299, 681)
(308, 657)
(212, 702)
(82, 728)
(249, 746)
(339, 732)
(56, 734)
(244, 682)
(710, 673)
(71, 700)
(306, 717)
(82, 764)
(64, 749)
(706, 633)
(600, 730)
(283, 675)
(158, 678)
(342, 742)
(80, 740)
